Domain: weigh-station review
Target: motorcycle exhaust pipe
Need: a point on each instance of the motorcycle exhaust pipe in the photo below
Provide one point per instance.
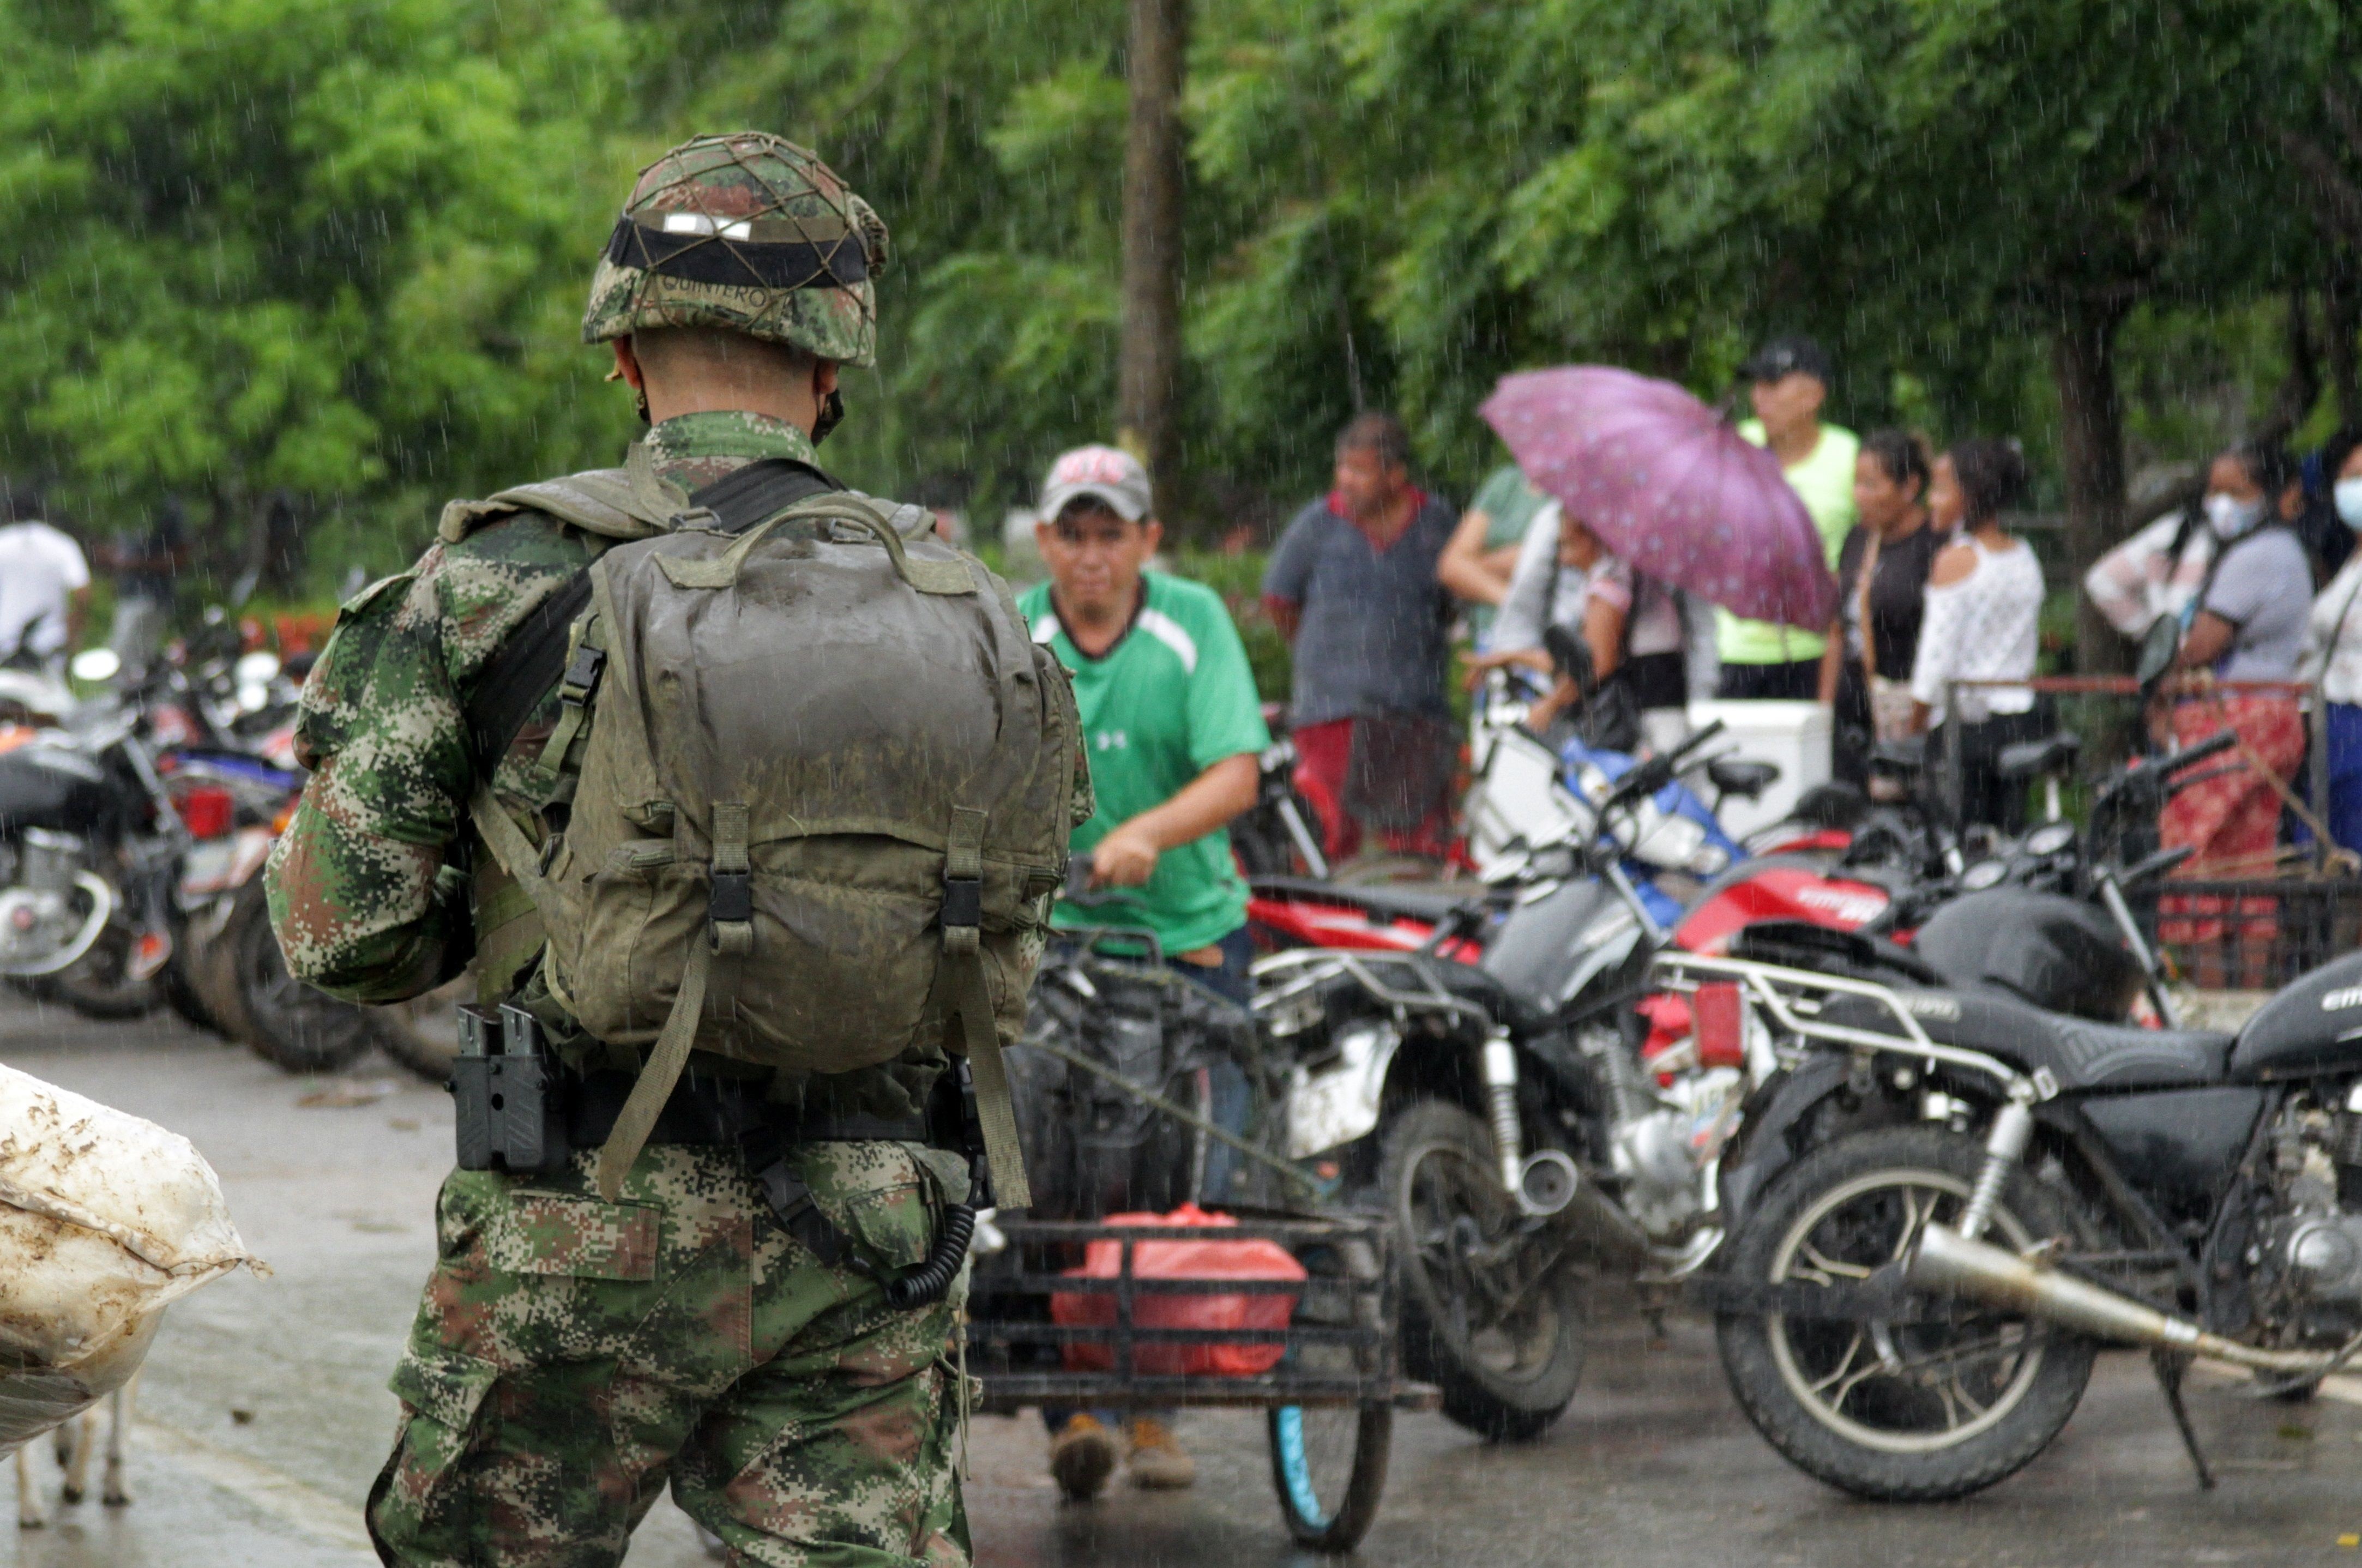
(1550, 1188)
(1947, 1263)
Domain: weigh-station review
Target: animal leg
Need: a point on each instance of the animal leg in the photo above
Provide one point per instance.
(28, 1494)
(85, 1433)
(117, 1492)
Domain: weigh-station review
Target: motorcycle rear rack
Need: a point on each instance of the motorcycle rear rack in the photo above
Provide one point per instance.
(1280, 973)
(1010, 1338)
(1793, 1000)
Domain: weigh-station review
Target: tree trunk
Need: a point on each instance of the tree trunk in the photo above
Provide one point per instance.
(2341, 309)
(1150, 359)
(2091, 415)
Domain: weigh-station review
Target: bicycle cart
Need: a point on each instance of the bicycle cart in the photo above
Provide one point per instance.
(1329, 1401)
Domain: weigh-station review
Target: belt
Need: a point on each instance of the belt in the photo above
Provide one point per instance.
(707, 1109)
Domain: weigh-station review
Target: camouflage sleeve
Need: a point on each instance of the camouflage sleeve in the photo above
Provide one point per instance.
(364, 894)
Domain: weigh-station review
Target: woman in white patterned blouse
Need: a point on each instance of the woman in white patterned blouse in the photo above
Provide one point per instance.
(1984, 611)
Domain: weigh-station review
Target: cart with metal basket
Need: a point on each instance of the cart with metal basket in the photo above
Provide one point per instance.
(1328, 1403)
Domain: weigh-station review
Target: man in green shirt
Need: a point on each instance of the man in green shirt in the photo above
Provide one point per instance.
(1175, 732)
(1790, 379)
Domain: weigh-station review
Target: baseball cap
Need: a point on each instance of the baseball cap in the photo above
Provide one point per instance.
(1107, 474)
(1786, 356)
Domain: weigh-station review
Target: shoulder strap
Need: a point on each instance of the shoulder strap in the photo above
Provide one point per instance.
(522, 670)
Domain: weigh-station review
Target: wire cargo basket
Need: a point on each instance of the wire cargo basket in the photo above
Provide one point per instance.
(1329, 1399)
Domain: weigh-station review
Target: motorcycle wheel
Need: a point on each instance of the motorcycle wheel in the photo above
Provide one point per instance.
(286, 1021)
(99, 985)
(423, 1034)
(1493, 1316)
(1892, 1411)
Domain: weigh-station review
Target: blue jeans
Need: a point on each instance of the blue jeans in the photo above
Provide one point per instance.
(2345, 812)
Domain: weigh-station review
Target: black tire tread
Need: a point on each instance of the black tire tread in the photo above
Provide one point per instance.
(1744, 1340)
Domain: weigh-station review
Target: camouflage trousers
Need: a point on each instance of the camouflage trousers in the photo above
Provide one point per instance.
(572, 1357)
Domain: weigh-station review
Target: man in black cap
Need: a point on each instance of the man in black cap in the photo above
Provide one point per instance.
(1789, 381)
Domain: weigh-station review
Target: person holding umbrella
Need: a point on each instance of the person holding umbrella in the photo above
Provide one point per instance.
(1788, 382)
(1673, 494)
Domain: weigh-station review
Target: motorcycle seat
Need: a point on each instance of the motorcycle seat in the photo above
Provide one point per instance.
(2032, 759)
(1385, 900)
(1748, 781)
(2081, 1055)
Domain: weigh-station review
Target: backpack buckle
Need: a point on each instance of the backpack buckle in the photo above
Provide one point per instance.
(731, 901)
(963, 901)
(582, 675)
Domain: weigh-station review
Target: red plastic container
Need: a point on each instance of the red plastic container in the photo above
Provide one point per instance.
(208, 811)
(1252, 1258)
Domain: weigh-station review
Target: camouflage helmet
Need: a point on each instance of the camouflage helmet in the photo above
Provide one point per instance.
(750, 233)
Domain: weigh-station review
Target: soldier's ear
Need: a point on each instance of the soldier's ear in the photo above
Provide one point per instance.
(823, 378)
(627, 365)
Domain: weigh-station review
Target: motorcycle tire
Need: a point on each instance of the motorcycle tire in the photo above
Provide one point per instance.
(286, 1022)
(423, 1034)
(1505, 1381)
(99, 985)
(1893, 1433)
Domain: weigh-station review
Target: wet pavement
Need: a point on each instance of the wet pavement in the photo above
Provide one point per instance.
(263, 1415)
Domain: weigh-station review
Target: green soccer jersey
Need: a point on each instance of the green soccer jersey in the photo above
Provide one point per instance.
(1171, 697)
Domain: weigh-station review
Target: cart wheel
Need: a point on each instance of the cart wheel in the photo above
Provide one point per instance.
(1328, 1466)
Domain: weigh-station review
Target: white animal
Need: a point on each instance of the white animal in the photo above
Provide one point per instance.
(74, 1441)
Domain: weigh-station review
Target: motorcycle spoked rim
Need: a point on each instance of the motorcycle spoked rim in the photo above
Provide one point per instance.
(1539, 1309)
(2012, 1233)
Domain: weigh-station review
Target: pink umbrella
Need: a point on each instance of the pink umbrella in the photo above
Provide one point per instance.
(1669, 487)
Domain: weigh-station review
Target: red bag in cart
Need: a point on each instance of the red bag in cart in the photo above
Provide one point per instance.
(1252, 1258)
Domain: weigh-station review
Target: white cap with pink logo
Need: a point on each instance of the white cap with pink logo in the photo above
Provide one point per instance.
(1107, 474)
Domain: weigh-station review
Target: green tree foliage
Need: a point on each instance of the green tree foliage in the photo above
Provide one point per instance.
(329, 248)
(335, 248)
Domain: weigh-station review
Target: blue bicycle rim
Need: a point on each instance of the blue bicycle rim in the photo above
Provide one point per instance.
(1292, 1464)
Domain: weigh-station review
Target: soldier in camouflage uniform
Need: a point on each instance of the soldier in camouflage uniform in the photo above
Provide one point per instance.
(571, 1355)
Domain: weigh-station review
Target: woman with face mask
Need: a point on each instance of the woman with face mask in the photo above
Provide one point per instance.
(2334, 651)
(2247, 625)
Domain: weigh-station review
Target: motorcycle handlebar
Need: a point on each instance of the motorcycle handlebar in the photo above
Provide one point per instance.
(2189, 757)
(2153, 866)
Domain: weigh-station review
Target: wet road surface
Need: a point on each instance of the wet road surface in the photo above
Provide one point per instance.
(263, 1414)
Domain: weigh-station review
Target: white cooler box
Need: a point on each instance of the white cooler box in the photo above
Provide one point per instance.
(1795, 735)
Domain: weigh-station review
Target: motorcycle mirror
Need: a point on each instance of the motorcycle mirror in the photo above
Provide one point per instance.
(260, 667)
(93, 665)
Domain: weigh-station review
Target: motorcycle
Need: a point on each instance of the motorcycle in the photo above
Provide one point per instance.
(1494, 1109)
(88, 843)
(1958, 1185)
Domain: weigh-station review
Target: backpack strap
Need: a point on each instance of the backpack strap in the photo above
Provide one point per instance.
(522, 670)
(961, 994)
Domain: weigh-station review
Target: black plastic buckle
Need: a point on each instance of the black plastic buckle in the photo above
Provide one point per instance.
(582, 674)
(732, 898)
(963, 901)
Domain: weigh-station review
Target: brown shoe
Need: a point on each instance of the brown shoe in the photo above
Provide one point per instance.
(1082, 1456)
(1156, 1459)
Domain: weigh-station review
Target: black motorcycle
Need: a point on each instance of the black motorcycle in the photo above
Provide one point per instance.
(88, 846)
(1958, 1189)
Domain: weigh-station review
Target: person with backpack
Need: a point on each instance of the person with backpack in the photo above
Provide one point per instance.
(745, 800)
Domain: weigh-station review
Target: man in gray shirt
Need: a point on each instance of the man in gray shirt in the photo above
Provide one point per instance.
(1352, 587)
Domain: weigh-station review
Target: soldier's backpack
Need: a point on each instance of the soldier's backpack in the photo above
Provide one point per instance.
(816, 783)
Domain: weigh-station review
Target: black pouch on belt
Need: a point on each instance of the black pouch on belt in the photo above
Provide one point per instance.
(506, 1094)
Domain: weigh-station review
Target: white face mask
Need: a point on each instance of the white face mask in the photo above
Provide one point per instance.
(2230, 517)
(2348, 496)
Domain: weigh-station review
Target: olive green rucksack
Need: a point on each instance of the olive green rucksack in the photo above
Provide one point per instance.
(821, 784)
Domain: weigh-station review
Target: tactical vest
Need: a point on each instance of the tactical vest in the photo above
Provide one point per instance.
(811, 783)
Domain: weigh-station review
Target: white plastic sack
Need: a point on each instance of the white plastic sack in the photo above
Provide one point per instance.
(105, 1220)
